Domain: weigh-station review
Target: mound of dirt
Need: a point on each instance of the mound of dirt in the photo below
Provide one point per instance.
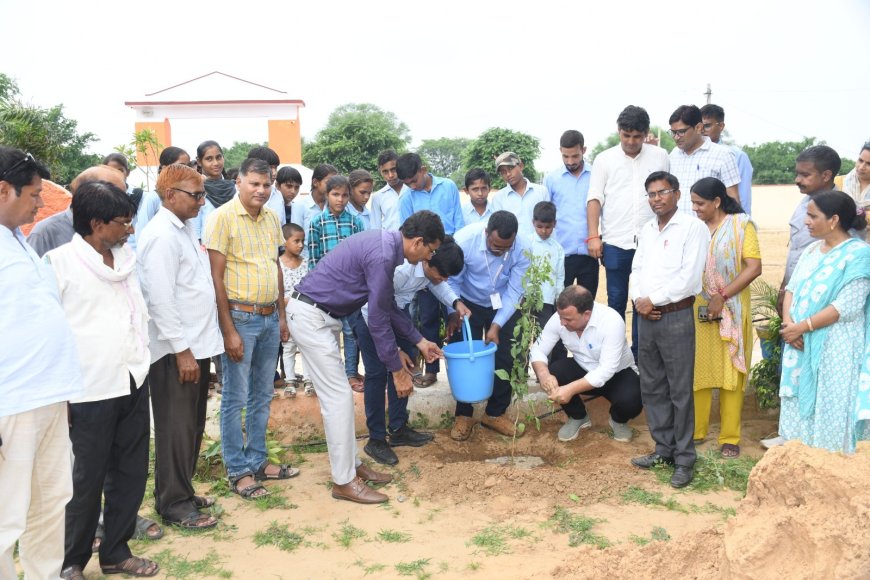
(806, 515)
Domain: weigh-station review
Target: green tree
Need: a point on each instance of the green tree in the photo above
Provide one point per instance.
(238, 152)
(774, 162)
(846, 165)
(444, 156)
(46, 133)
(667, 142)
(483, 151)
(353, 137)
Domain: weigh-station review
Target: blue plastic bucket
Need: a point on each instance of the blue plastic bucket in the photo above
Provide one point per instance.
(470, 367)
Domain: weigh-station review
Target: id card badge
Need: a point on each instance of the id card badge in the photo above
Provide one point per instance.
(495, 297)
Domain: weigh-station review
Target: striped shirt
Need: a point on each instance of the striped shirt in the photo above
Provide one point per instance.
(251, 249)
(708, 160)
(327, 230)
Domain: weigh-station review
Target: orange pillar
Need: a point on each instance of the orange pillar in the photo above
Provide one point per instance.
(163, 133)
(286, 140)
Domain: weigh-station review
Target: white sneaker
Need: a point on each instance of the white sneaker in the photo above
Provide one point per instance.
(309, 388)
(571, 429)
(772, 442)
(621, 431)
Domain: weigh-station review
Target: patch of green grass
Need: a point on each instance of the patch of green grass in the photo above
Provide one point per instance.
(658, 534)
(493, 540)
(274, 500)
(175, 566)
(394, 537)
(444, 566)
(656, 499)
(473, 566)
(414, 470)
(369, 568)
(578, 528)
(280, 536)
(714, 472)
(416, 568)
(347, 534)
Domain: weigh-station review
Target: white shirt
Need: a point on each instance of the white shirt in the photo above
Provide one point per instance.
(708, 160)
(177, 285)
(521, 206)
(617, 183)
(409, 279)
(276, 204)
(554, 253)
(39, 363)
(601, 349)
(108, 317)
(385, 208)
(669, 263)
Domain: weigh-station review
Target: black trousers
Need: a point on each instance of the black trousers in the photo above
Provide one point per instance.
(481, 319)
(622, 390)
(179, 421)
(430, 312)
(110, 444)
(582, 269)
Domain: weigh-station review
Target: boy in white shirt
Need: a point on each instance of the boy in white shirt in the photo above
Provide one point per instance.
(543, 244)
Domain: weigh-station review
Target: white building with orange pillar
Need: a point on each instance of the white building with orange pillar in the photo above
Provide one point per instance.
(218, 95)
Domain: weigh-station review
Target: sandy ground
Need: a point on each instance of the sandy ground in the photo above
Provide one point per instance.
(446, 494)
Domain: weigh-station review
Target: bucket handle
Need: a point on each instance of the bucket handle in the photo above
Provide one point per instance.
(466, 336)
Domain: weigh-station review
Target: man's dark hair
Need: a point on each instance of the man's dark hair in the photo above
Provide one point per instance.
(289, 175)
(254, 165)
(266, 154)
(387, 156)
(576, 296)
(633, 119)
(117, 158)
(544, 212)
(232, 173)
(423, 224)
(449, 259)
(504, 223)
(289, 229)
(822, 157)
(714, 112)
(407, 165)
(571, 138)
(659, 175)
(475, 174)
(687, 114)
(101, 201)
(18, 168)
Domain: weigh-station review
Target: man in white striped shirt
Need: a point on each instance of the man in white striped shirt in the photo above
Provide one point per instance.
(695, 156)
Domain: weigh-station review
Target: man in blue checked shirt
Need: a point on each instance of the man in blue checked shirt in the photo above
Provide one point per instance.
(490, 285)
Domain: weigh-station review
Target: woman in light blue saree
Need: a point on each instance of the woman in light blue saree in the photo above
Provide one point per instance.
(825, 328)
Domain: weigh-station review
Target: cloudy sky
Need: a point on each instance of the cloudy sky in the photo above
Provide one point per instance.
(782, 70)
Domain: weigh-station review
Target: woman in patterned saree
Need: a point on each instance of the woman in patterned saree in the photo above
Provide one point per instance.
(825, 330)
(723, 337)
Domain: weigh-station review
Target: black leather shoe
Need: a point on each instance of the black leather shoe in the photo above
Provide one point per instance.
(647, 461)
(380, 452)
(407, 437)
(682, 476)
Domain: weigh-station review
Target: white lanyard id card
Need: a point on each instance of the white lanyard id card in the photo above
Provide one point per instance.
(495, 296)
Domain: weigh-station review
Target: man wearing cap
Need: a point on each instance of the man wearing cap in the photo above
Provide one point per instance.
(519, 195)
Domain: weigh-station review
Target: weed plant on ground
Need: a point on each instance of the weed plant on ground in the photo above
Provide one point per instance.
(712, 472)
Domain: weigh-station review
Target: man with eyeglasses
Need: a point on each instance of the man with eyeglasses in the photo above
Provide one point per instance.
(713, 124)
(39, 373)
(176, 281)
(57, 230)
(665, 277)
(696, 156)
(490, 285)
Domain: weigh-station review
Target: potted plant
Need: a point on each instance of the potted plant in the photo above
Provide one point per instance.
(765, 374)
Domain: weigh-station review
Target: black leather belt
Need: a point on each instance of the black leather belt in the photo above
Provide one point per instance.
(307, 300)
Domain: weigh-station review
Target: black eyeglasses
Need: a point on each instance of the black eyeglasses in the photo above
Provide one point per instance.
(678, 132)
(197, 196)
(28, 158)
(431, 251)
(660, 193)
(124, 223)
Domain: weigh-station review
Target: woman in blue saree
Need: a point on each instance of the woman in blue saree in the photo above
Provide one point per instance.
(825, 329)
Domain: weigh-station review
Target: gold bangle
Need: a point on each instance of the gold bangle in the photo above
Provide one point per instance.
(810, 323)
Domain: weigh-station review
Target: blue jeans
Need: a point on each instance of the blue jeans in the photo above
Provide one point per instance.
(351, 350)
(248, 384)
(617, 264)
(379, 385)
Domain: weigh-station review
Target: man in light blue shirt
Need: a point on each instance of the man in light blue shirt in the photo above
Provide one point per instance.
(569, 188)
(477, 185)
(519, 196)
(490, 285)
(385, 201)
(713, 124)
(439, 195)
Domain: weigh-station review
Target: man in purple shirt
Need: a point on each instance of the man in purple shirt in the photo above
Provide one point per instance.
(359, 270)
